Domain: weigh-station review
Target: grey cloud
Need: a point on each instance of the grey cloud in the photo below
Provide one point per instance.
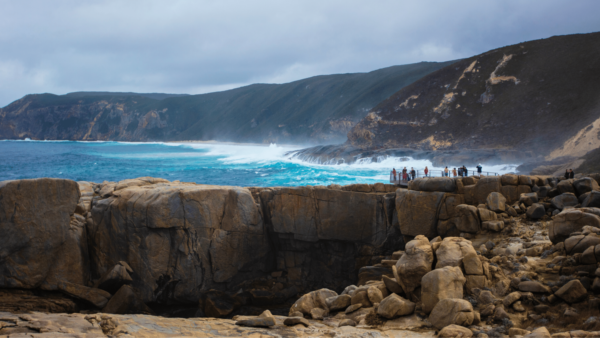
(202, 46)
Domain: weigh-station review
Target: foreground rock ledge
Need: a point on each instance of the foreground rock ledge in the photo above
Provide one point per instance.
(38, 324)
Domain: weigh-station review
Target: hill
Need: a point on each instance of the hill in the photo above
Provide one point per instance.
(314, 110)
(538, 97)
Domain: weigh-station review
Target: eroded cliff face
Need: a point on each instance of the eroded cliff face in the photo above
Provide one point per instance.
(184, 239)
(179, 242)
(119, 118)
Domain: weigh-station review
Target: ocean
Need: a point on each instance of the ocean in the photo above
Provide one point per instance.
(204, 163)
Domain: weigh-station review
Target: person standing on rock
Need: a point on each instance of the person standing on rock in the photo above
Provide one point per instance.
(446, 171)
(413, 173)
(454, 172)
(571, 173)
(567, 174)
(404, 174)
(426, 171)
(394, 173)
(479, 168)
(465, 171)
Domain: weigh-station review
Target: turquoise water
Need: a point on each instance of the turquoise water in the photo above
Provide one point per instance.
(220, 164)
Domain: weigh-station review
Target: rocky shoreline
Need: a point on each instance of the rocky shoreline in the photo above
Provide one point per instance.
(477, 257)
(347, 154)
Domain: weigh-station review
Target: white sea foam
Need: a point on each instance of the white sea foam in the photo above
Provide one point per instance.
(259, 157)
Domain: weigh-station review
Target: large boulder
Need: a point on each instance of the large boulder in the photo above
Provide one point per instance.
(454, 331)
(536, 211)
(580, 243)
(528, 199)
(496, 226)
(525, 180)
(452, 250)
(484, 187)
(509, 180)
(42, 242)
(496, 202)
(99, 298)
(312, 300)
(167, 232)
(565, 186)
(441, 283)
(486, 215)
(570, 221)
(592, 200)
(115, 278)
(452, 311)
(361, 297)
(572, 292)
(510, 192)
(395, 306)
(433, 184)
(392, 285)
(340, 302)
(533, 286)
(472, 264)
(564, 200)
(126, 301)
(540, 332)
(467, 219)
(415, 263)
(585, 184)
(417, 212)
(448, 215)
(449, 204)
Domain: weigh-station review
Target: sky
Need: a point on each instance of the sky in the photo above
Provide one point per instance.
(196, 47)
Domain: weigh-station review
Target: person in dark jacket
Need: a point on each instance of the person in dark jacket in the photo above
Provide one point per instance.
(413, 173)
(571, 173)
(567, 174)
(479, 168)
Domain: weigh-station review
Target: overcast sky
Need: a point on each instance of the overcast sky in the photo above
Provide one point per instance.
(203, 46)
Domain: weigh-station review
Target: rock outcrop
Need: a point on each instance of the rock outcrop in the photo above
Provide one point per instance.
(149, 244)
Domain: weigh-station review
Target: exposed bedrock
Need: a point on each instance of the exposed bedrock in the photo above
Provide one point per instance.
(41, 243)
(217, 248)
(175, 242)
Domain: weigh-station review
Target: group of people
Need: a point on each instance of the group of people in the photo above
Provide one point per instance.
(462, 171)
(405, 175)
(408, 175)
(569, 174)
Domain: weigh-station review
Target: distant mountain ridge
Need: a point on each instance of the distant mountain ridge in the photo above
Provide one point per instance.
(155, 96)
(320, 109)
